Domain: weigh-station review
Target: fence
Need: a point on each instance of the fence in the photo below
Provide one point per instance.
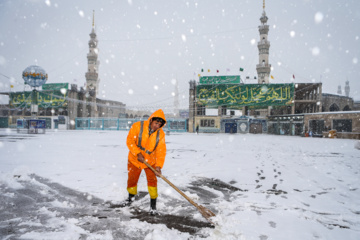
(118, 124)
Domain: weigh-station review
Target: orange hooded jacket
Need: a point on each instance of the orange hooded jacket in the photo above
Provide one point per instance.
(156, 157)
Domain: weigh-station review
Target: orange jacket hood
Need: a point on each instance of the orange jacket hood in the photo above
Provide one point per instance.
(158, 113)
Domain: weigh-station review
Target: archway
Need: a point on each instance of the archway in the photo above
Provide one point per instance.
(347, 108)
(334, 108)
(63, 112)
(48, 112)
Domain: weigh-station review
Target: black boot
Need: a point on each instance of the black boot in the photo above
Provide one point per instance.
(128, 201)
(153, 211)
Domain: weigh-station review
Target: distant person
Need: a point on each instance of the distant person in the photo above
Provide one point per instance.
(197, 129)
(146, 142)
(310, 133)
(282, 132)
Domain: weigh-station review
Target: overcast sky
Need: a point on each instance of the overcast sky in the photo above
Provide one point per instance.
(144, 46)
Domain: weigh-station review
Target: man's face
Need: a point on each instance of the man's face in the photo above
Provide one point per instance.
(155, 125)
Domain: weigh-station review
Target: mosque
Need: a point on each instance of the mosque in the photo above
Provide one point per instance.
(288, 109)
(306, 109)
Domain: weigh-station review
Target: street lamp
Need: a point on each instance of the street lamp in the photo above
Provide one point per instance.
(34, 76)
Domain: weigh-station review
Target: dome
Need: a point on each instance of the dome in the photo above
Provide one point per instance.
(35, 76)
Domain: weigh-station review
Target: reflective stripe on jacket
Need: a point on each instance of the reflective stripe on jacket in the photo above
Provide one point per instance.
(152, 147)
(140, 138)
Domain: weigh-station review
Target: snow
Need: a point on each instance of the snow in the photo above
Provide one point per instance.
(296, 188)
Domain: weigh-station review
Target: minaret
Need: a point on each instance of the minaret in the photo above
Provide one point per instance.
(347, 88)
(339, 90)
(263, 68)
(92, 75)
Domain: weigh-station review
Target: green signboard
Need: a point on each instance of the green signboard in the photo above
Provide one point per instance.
(55, 86)
(220, 80)
(234, 95)
(46, 99)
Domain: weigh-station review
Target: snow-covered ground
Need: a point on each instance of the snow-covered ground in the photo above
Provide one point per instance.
(294, 187)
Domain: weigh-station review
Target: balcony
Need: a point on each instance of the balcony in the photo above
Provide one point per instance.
(91, 75)
(263, 66)
(264, 43)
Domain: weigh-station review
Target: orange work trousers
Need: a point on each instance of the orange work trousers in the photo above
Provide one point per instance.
(133, 178)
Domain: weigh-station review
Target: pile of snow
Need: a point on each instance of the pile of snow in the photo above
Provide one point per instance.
(357, 145)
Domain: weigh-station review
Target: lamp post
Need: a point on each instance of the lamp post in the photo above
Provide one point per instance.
(34, 76)
(34, 103)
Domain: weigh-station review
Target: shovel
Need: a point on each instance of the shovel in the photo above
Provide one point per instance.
(207, 214)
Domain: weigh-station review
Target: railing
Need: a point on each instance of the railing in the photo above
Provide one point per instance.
(263, 65)
(124, 124)
(264, 42)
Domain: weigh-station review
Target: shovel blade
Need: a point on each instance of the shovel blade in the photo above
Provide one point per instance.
(207, 213)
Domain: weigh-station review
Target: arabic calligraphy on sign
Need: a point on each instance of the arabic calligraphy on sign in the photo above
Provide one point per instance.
(52, 99)
(245, 95)
(220, 79)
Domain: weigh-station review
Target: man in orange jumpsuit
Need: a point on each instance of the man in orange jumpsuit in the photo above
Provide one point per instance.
(146, 142)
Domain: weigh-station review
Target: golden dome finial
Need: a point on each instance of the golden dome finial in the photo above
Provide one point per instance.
(264, 4)
(93, 23)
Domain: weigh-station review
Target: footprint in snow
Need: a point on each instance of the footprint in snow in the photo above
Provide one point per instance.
(263, 237)
(272, 224)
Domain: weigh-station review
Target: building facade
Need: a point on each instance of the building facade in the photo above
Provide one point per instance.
(335, 103)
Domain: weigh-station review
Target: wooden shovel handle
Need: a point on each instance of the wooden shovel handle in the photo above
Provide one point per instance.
(172, 185)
